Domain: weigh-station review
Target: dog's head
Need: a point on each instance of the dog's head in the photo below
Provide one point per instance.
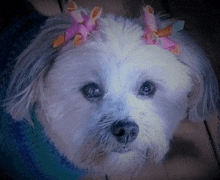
(114, 102)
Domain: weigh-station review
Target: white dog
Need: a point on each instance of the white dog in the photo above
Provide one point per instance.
(112, 102)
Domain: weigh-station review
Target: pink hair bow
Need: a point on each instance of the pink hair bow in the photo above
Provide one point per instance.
(83, 25)
(153, 36)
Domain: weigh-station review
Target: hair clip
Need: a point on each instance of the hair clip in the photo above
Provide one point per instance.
(83, 25)
(153, 36)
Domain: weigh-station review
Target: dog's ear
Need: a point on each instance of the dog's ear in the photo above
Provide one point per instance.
(204, 96)
(203, 99)
(26, 83)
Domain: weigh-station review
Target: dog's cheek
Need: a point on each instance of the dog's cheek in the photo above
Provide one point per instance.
(68, 113)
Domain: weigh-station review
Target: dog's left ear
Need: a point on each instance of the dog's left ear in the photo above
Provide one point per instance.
(204, 96)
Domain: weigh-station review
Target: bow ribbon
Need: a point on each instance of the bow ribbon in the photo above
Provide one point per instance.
(153, 36)
(83, 25)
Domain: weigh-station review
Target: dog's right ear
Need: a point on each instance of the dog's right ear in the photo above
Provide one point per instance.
(26, 83)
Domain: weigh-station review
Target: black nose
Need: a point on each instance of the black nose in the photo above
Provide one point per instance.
(125, 131)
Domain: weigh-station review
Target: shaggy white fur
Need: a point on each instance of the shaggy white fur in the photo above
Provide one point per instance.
(80, 92)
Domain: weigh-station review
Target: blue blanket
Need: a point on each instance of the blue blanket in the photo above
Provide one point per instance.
(25, 152)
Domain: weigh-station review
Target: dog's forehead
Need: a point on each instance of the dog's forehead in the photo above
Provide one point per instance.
(147, 63)
(119, 55)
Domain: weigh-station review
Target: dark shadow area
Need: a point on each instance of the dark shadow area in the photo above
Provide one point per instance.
(183, 148)
(12, 10)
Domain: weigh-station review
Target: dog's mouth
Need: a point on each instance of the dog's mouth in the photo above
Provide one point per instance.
(121, 150)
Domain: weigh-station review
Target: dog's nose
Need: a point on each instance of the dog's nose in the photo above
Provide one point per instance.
(125, 131)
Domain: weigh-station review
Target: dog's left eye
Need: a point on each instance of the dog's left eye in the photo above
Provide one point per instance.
(91, 91)
(147, 89)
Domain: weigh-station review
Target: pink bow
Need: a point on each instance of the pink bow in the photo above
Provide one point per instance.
(153, 36)
(83, 25)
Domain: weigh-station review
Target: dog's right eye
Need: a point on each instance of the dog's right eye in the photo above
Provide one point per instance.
(91, 91)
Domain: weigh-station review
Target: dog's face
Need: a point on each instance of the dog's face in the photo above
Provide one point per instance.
(112, 104)
(111, 100)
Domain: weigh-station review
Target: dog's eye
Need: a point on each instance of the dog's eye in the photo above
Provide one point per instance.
(147, 89)
(91, 91)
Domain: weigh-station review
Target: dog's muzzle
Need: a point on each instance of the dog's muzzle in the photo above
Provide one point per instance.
(125, 131)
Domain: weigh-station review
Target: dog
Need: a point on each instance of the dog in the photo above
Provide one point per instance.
(108, 90)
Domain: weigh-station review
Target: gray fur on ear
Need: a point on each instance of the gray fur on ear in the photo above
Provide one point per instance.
(204, 96)
(26, 83)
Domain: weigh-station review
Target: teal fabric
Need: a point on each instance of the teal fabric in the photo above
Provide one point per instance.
(26, 153)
